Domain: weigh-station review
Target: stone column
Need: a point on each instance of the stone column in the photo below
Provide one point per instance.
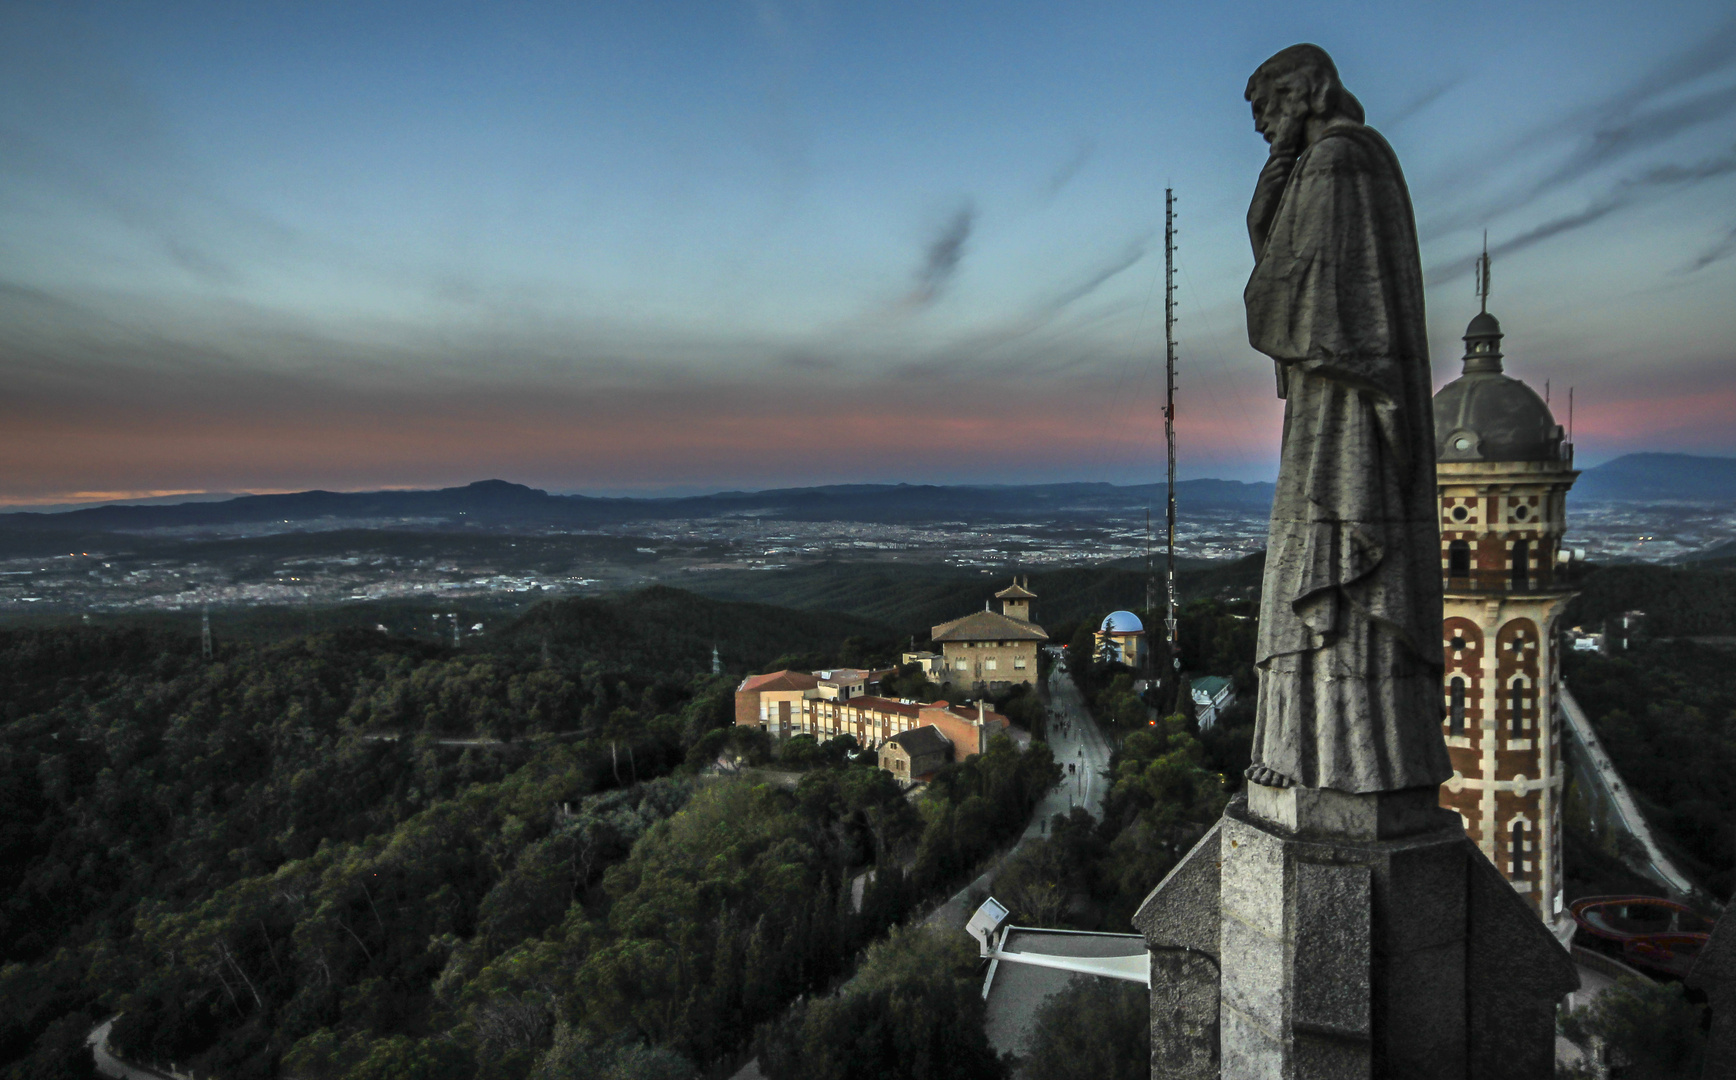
(1713, 974)
(1315, 934)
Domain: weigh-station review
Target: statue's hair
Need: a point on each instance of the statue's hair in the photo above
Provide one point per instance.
(1329, 96)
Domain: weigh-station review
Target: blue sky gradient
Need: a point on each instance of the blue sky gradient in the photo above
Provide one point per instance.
(703, 245)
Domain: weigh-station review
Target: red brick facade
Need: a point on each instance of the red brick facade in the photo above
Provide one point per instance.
(1501, 528)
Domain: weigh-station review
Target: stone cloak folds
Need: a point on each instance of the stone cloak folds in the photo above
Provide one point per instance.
(1349, 654)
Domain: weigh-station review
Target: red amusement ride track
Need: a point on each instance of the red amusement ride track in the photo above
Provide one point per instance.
(1651, 933)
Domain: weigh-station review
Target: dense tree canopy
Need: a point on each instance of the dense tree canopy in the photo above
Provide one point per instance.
(1095, 1029)
(1666, 712)
(914, 1011)
(1651, 1031)
(368, 856)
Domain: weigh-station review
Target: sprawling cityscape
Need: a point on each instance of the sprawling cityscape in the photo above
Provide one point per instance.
(338, 561)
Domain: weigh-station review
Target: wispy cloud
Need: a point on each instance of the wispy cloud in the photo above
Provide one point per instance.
(1719, 251)
(1625, 193)
(1626, 135)
(1070, 166)
(941, 257)
(1128, 256)
(1415, 105)
(1661, 104)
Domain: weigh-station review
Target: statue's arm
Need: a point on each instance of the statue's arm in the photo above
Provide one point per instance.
(1316, 298)
(1268, 190)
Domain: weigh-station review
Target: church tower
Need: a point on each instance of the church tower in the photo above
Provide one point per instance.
(1503, 470)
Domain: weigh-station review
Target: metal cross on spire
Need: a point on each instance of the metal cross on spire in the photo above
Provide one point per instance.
(1483, 273)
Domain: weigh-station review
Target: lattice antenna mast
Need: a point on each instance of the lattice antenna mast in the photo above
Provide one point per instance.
(205, 632)
(1150, 574)
(1169, 415)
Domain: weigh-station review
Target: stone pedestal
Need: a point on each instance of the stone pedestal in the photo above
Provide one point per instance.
(1314, 934)
(1714, 974)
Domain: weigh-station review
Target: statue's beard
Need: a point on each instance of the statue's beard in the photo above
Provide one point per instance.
(1286, 134)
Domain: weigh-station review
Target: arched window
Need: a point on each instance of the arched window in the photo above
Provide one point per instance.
(1458, 559)
(1516, 708)
(1516, 858)
(1456, 708)
(1521, 566)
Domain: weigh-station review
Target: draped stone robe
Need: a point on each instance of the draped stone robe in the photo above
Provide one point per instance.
(1349, 656)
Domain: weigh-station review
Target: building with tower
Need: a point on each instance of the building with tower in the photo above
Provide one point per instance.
(1503, 470)
(989, 651)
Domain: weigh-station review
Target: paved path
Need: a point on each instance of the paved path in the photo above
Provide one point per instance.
(111, 1066)
(1660, 868)
(1074, 738)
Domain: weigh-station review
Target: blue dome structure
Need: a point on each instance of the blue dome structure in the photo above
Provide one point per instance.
(1122, 622)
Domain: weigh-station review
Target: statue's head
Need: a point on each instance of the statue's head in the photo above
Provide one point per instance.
(1296, 85)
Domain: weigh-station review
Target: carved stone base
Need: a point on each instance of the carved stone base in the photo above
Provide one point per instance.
(1314, 934)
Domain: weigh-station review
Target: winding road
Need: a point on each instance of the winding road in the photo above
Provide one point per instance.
(1074, 738)
(109, 1065)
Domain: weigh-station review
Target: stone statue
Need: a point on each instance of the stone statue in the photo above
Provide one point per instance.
(1349, 657)
(1337, 921)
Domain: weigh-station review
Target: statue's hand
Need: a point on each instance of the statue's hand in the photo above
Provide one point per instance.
(1274, 177)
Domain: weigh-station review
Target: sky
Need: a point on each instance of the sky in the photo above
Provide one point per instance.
(631, 247)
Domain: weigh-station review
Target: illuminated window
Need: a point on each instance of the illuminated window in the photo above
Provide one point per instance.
(1018, 663)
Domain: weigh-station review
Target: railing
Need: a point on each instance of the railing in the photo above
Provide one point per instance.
(1490, 586)
(1607, 965)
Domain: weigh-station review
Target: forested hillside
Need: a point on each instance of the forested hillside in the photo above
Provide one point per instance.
(229, 854)
(1666, 708)
(1679, 601)
(912, 599)
(1666, 712)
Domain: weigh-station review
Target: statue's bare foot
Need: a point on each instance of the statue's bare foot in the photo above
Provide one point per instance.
(1260, 774)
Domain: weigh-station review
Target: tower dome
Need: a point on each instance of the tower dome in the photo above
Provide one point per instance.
(1486, 415)
(1122, 622)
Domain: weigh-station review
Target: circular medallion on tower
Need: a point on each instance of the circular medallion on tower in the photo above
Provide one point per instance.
(1485, 415)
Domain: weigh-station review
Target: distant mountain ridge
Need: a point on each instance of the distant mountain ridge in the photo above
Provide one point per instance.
(1633, 477)
(500, 503)
(1659, 478)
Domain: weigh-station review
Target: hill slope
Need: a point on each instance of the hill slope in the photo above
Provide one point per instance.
(912, 599)
(1659, 477)
(661, 629)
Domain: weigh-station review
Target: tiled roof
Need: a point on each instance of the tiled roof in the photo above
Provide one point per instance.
(923, 740)
(989, 626)
(988, 715)
(780, 680)
(1015, 591)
